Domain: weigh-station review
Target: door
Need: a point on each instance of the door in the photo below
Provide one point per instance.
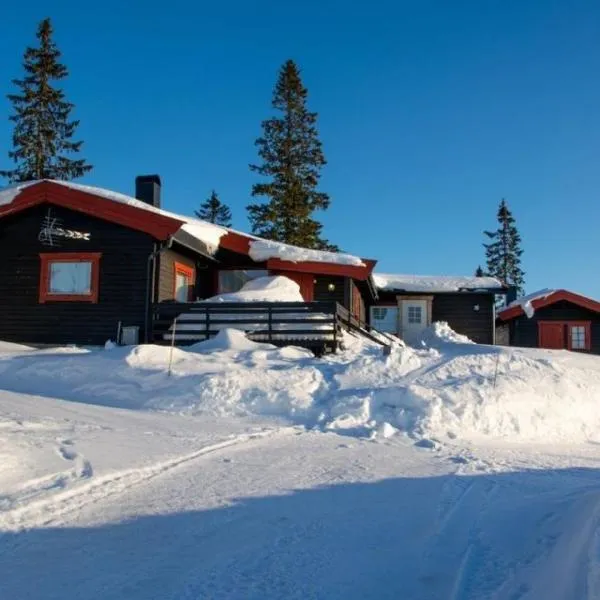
(414, 320)
(551, 335)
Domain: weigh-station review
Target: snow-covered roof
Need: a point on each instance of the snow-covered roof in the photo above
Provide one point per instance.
(545, 297)
(261, 250)
(525, 302)
(207, 233)
(433, 283)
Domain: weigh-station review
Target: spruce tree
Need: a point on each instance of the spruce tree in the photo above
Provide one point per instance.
(503, 253)
(292, 158)
(214, 211)
(479, 272)
(43, 131)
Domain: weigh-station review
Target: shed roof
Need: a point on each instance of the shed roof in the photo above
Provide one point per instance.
(527, 305)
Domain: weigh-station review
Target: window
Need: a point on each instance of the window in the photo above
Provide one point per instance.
(579, 336)
(415, 314)
(379, 313)
(234, 280)
(385, 318)
(184, 283)
(69, 277)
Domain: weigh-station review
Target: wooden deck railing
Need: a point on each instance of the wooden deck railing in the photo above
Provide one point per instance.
(314, 325)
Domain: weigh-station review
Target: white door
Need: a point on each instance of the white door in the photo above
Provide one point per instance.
(414, 320)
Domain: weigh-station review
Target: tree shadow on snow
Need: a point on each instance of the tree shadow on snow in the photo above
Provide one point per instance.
(512, 535)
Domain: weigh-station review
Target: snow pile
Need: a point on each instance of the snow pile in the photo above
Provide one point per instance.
(228, 339)
(275, 288)
(262, 250)
(439, 333)
(433, 283)
(445, 391)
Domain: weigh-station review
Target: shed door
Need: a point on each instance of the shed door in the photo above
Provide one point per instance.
(552, 335)
(414, 319)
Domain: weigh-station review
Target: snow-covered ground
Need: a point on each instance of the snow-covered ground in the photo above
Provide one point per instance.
(453, 471)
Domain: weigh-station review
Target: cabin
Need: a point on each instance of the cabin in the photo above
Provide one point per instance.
(83, 265)
(552, 318)
(408, 304)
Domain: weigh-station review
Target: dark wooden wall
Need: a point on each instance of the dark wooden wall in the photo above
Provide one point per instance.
(524, 331)
(339, 294)
(459, 312)
(166, 273)
(122, 287)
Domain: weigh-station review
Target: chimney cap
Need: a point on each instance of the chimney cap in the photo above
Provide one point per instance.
(148, 179)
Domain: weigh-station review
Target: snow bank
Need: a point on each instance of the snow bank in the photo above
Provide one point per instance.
(445, 391)
(275, 288)
(229, 339)
(433, 283)
(262, 250)
(439, 333)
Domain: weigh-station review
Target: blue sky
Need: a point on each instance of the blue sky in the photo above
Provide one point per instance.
(430, 112)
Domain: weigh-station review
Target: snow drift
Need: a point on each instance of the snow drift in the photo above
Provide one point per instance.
(449, 389)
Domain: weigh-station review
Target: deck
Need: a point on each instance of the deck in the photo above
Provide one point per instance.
(317, 326)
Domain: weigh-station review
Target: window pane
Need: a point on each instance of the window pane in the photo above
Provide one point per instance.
(182, 287)
(415, 314)
(234, 280)
(70, 278)
(578, 337)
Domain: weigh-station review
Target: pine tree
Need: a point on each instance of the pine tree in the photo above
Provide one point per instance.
(292, 158)
(479, 272)
(42, 135)
(214, 211)
(503, 253)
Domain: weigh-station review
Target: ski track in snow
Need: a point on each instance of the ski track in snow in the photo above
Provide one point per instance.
(36, 506)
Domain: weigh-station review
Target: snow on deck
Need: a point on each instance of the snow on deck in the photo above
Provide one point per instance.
(433, 283)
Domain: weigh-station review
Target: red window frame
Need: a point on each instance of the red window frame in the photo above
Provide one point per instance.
(47, 258)
(189, 273)
(587, 325)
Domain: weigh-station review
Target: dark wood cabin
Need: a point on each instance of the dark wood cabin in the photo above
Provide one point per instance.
(408, 304)
(80, 264)
(559, 319)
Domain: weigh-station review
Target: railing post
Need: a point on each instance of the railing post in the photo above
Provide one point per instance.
(174, 327)
(270, 324)
(207, 323)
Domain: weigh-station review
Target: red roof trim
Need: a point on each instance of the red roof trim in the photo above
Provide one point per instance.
(515, 311)
(321, 268)
(158, 226)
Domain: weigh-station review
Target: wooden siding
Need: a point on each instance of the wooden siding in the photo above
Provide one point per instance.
(357, 303)
(166, 273)
(323, 294)
(122, 285)
(459, 312)
(524, 331)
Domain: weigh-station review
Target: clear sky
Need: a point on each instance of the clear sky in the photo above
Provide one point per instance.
(430, 112)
